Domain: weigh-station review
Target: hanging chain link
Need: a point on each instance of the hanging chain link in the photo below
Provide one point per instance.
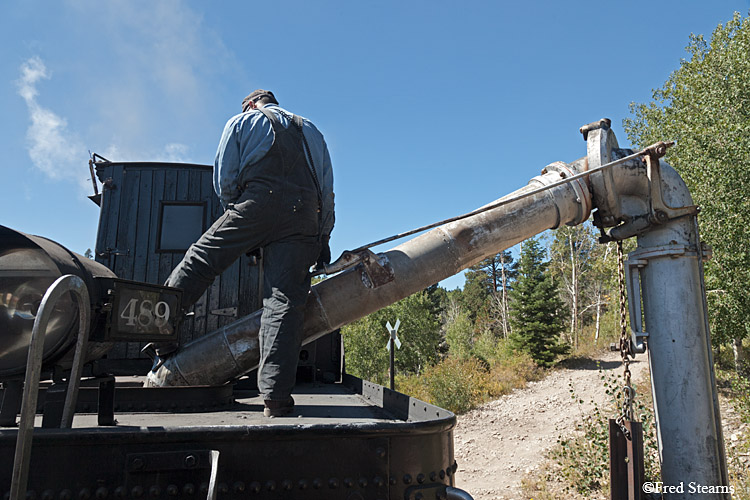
(628, 392)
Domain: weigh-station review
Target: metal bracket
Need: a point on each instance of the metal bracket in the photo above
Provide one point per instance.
(659, 211)
(637, 261)
(637, 333)
(113, 251)
(227, 311)
(376, 271)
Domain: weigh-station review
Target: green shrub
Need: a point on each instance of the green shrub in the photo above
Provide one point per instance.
(513, 372)
(459, 333)
(583, 455)
(457, 385)
(413, 385)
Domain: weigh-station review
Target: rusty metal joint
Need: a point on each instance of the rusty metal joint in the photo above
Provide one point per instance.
(376, 271)
(659, 211)
(345, 261)
(658, 149)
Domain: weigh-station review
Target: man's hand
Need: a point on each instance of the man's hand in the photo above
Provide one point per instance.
(325, 253)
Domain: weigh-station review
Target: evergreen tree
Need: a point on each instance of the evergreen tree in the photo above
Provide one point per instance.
(535, 313)
(485, 294)
(475, 295)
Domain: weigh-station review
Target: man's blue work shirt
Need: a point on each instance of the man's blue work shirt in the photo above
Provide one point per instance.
(247, 138)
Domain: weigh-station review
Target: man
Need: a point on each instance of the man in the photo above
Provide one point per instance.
(273, 176)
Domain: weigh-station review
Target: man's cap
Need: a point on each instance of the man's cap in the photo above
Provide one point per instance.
(257, 94)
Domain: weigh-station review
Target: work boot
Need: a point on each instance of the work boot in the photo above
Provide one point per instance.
(275, 408)
(159, 352)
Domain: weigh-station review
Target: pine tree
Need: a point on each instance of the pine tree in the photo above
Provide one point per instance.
(485, 293)
(536, 310)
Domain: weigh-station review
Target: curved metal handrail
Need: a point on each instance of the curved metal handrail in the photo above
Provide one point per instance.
(61, 286)
(457, 494)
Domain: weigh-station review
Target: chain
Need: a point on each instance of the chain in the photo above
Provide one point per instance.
(628, 392)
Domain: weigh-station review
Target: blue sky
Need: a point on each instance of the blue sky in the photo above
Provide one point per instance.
(430, 109)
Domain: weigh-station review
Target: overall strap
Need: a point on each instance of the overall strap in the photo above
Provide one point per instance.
(271, 117)
(298, 124)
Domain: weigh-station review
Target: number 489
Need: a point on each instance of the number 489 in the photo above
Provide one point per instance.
(145, 315)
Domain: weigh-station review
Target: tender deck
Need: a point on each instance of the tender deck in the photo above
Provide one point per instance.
(350, 440)
(315, 404)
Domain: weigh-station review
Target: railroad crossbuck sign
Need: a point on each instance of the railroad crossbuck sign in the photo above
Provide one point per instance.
(393, 330)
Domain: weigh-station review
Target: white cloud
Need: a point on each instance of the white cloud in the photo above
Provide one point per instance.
(158, 78)
(151, 94)
(171, 153)
(176, 152)
(53, 149)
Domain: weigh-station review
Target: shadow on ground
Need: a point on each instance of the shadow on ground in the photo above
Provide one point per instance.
(586, 363)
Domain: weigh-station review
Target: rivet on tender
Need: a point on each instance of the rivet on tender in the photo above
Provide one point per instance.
(190, 461)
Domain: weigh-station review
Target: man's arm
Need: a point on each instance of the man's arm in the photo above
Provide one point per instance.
(227, 164)
(246, 139)
(325, 175)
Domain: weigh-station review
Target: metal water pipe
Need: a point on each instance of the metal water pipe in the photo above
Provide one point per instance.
(380, 280)
(668, 313)
(648, 200)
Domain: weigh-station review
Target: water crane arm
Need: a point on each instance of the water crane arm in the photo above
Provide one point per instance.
(638, 196)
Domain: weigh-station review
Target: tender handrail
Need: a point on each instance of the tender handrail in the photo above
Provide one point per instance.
(61, 286)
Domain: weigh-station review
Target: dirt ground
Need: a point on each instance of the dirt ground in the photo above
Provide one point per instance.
(499, 442)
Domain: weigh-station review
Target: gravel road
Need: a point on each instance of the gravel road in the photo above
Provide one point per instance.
(499, 442)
